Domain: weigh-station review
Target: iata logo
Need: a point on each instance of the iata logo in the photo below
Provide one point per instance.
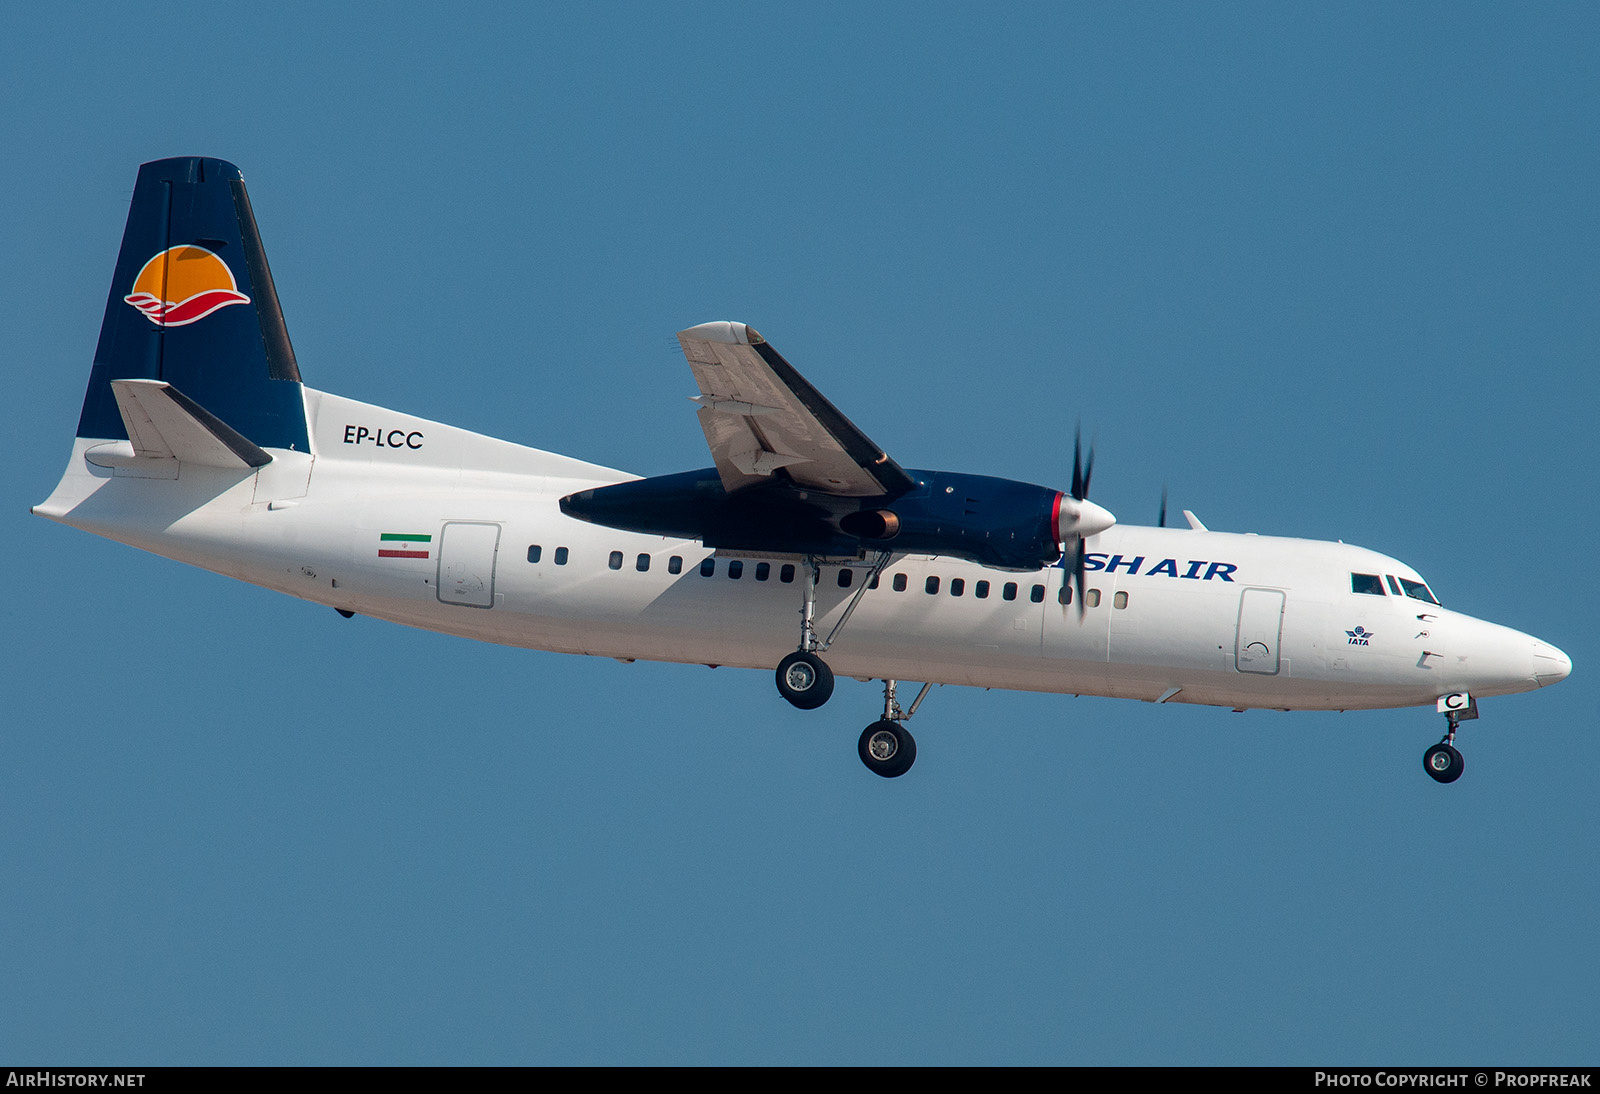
(1360, 636)
(182, 285)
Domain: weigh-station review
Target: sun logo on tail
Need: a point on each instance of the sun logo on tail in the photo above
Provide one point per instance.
(183, 284)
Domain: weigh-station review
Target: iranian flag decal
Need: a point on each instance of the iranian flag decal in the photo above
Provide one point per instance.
(403, 545)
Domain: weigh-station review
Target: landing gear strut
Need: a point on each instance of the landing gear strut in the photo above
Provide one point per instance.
(804, 678)
(1442, 762)
(886, 746)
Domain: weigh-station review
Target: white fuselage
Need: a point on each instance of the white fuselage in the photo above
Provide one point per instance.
(420, 523)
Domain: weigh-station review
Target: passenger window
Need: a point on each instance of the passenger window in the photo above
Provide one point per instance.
(616, 560)
(561, 556)
(642, 564)
(1009, 591)
(981, 590)
(763, 571)
(846, 575)
(675, 564)
(1371, 584)
(1120, 600)
(931, 585)
(899, 583)
(1092, 598)
(872, 582)
(786, 574)
(533, 553)
(957, 586)
(708, 565)
(1036, 594)
(1065, 595)
(736, 569)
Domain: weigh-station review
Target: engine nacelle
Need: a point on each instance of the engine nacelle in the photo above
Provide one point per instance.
(996, 522)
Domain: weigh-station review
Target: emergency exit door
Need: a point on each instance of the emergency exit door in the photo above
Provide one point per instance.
(467, 552)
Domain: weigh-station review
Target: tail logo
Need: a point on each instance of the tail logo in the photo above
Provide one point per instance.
(183, 285)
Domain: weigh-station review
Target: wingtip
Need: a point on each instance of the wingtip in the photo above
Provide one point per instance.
(736, 334)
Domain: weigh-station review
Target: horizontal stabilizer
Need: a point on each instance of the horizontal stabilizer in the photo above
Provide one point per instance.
(164, 423)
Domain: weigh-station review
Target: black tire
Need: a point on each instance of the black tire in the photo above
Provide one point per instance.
(805, 680)
(1443, 763)
(888, 749)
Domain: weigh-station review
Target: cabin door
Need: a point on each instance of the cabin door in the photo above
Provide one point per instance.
(1260, 628)
(466, 563)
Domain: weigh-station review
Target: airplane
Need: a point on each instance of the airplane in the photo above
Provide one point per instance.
(199, 441)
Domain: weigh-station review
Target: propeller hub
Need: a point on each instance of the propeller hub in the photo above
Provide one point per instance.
(1080, 519)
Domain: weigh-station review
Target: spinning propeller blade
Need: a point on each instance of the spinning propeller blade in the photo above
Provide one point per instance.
(1082, 472)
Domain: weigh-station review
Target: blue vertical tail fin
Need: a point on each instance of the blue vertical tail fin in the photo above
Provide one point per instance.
(192, 304)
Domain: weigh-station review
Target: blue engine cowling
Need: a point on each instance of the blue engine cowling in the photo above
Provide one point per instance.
(996, 522)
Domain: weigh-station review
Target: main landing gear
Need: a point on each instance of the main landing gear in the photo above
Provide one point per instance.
(886, 746)
(806, 681)
(1442, 762)
(804, 678)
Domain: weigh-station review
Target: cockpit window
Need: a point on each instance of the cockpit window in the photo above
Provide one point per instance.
(1366, 583)
(1394, 585)
(1416, 590)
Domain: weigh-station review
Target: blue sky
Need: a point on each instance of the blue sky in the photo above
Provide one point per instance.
(1322, 270)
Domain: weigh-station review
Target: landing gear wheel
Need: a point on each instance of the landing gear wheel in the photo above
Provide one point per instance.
(805, 680)
(1443, 763)
(888, 749)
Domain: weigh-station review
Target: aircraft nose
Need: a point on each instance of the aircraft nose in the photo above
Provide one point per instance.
(1550, 665)
(1496, 660)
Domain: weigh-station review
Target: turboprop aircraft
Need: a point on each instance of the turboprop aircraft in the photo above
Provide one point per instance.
(198, 441)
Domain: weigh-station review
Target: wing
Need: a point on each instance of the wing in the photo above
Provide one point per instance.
(759, 414)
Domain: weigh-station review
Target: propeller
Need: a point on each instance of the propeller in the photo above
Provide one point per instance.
(1161, 522)
(1088, 519)
(1081, 470)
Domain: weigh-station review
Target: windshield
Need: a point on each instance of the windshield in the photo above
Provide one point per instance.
(1418, 591)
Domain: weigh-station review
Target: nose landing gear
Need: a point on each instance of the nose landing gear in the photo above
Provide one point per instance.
(1442, 762)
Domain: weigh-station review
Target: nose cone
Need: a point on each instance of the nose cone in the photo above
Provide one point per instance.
(1550, 665)
(1093, 519)
(1488, 659)
(1080, 518)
